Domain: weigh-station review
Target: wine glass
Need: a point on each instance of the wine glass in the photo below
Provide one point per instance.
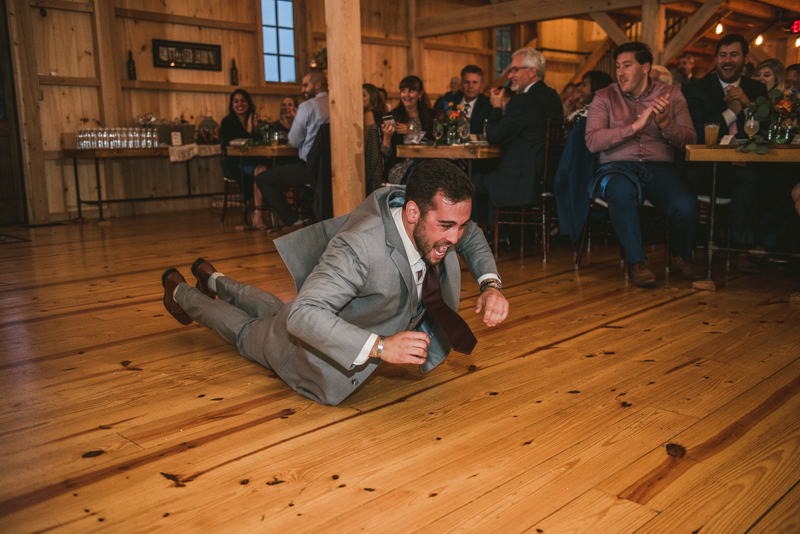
(750, 125)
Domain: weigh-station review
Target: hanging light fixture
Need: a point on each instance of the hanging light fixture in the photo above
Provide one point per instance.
(759, 40)
(719, 28)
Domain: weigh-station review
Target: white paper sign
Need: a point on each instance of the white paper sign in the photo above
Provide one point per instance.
(727, 140)
(176, 139)
(796, 140)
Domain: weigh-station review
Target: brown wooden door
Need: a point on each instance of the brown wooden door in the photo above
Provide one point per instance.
(12, 194)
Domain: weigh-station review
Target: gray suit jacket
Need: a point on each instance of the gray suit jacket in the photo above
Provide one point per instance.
(353, 279)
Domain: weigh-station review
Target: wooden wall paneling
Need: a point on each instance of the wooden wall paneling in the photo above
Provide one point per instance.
(63, 42)
(137, 36)
(27, 93)
(241, 11)
(384, 19)
(383, 66)
(444, 65)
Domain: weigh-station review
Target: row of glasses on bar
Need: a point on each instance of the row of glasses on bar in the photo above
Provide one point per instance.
(117, 138)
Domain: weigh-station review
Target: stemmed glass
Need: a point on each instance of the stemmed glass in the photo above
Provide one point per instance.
(750, 124)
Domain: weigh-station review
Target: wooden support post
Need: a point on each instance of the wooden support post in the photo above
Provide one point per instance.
(417, 45)
(343, 19)
(28, 94)
(654, 22)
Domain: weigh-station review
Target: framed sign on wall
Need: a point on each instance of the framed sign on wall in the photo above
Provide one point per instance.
(180, 55)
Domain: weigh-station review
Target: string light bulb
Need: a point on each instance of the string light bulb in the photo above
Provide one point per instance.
(759, 40)
(797, 43)
(719, 28)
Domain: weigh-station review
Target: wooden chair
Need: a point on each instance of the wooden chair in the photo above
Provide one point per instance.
(539, 215)
(647, 214)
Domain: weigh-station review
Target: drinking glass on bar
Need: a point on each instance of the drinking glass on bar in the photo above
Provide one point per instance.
(750, 124)
(711, 132)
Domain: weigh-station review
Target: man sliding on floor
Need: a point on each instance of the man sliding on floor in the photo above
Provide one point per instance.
(381, 283)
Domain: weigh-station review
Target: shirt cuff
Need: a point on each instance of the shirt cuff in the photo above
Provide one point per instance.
(487, 277)
(729, 116)
(363, 356)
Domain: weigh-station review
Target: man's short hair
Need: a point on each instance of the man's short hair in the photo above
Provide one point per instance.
(318, 76)
(531, 58)
(730, 39)
(690, 57)
(795, 67)
(471, 69)
(434, 176)
(641, 53)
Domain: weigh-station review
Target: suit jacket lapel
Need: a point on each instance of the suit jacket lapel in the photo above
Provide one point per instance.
(398, 254)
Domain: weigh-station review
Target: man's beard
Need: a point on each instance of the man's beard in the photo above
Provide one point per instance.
(424, 245)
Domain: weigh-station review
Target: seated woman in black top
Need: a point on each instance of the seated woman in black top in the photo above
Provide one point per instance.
(240, 123)
(412, 115)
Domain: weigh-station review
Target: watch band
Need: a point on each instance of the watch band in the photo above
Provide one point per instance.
(379, 352)
(494, 283)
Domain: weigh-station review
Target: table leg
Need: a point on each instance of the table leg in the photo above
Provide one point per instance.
(77, 189)
(101, 220)
(243, 198)
(188, 177)
(708, 283)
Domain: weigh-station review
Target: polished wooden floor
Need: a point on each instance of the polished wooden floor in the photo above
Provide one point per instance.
(596, 407)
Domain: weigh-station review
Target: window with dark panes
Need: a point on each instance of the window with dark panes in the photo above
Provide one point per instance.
(502, 50)
(277, 20)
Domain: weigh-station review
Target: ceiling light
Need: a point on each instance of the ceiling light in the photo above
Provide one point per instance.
(719, 28)
(759, 40)
(797, 43)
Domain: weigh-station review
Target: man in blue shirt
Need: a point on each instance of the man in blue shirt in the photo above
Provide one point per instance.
(310, 115)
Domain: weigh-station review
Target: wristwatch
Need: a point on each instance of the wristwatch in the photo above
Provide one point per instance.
(493, 283)
(379, 352)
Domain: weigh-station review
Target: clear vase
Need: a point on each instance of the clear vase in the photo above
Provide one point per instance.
(778, 134)
(452, 136)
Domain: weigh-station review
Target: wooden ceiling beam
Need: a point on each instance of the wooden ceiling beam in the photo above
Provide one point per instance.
(611, 28)
(514, 12)
(690, 30)
(788, 5)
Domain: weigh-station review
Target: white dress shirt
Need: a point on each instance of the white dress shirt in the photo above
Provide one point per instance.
(418, 269)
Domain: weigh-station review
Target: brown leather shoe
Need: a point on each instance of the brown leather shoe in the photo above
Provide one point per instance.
(741, 263)
(170, 280)
(642, 275)
(202, 270)
(684, 268)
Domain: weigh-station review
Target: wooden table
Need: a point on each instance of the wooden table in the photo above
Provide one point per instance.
(122, 153)
(273, 152)
(467, 152)
(720, 153)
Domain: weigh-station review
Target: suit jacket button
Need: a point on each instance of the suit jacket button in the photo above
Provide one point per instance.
(354, 381)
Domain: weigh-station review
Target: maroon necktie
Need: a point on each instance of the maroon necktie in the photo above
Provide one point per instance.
(458, 333)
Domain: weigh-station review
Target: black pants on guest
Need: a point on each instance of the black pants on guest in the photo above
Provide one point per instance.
(273, 184)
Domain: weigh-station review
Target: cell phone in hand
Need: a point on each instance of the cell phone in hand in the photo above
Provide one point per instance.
(388, 119)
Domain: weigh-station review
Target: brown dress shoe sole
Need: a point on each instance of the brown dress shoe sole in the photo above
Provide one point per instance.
(169, 302)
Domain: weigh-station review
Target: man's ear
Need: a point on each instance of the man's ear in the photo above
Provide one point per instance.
(411, 212)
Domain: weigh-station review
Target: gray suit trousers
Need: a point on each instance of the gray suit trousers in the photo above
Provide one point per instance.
(242, 316)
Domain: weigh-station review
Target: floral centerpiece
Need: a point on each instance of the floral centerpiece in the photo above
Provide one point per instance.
(449, 124)
(781, 110)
